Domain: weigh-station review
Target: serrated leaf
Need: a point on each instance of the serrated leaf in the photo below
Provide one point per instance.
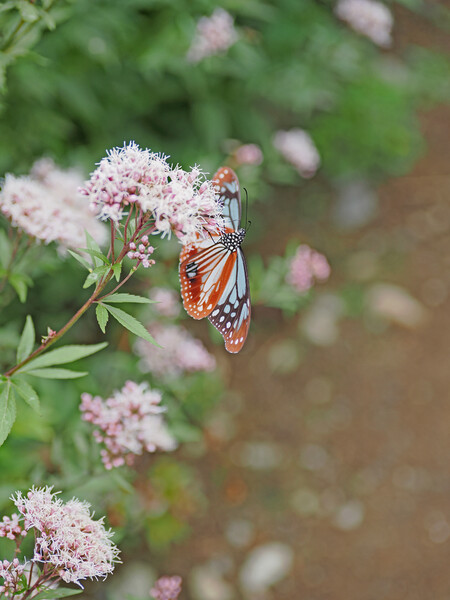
(81, 260)
(131, 324)
(102, 317)
(49, 593)
(117, 270)
(26, 340)
(7, 411)
(117, 298)
(57, 373)
(25, 390)
(63, 355)
(19, 285)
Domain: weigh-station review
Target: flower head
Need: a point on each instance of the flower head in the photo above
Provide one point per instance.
(11, 528)
(129, 423)
(180, 352)
(11, 573)
(214, 34)
(298, 148)
(46, 206)
(68, 539)
(306, 266)
(166, 302)
(248, 154)
(167, 588)
(184, 202)
(369, 17)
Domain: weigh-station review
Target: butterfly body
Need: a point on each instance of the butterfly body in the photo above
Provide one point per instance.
(213, 271)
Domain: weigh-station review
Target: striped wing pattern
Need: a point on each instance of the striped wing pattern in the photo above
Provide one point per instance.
(214, 280)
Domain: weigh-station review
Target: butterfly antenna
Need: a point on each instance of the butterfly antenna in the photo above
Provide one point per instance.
(246, 206)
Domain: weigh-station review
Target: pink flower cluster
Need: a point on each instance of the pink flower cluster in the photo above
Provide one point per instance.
(298, 148)
(248, 154)
(369, 17)
(46, 206)
(214, 34)
(306, 266)
(167, 588)
(67, 538)
(11, 573)
(129, 423)
(167, 302)
(184, 202)
(11, 528)
(142, 252)
(180, 352)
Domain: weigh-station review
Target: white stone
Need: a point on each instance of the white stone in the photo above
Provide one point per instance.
(265, 566)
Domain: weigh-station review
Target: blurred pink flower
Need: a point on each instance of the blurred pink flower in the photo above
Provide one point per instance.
(214, 34)
(167, 588)
(129, 423)
(166, 301)
(180, 352)
(306, 266)
(298, 148)
(248, 154)
(67, 538)
(11, 528)
(184, 202)
(372, 19)
(46, 206)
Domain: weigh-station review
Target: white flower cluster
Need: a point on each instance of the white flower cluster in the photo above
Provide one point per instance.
(184, 202)
(46, 206)
(67, 537)
(369, 17)
(180, 352)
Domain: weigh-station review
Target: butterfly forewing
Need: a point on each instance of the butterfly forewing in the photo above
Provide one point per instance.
(214, 281)
(231, 315)
(227, 187)
(203, 277)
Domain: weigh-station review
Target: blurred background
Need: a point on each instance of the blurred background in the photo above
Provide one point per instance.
(314, 464)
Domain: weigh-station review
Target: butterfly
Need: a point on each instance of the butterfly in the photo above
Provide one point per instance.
(213, 271)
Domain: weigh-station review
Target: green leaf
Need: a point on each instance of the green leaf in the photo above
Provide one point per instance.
(96, 254)
(57, 373)
(102, 316)
(63, 355)
(95, 275)
(5, 249)
(25, 390)
(19, 285)
(117, 269)
(116, 298)
(81, 260)
(49, 593)
(131, 324)
(7, 411)
(26, 340)
(92, 245)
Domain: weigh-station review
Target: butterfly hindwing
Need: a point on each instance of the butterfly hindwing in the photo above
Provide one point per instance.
(231, 315)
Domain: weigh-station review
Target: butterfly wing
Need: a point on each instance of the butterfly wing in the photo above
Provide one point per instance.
(227, 187)
(231, 315)
(204, 273)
